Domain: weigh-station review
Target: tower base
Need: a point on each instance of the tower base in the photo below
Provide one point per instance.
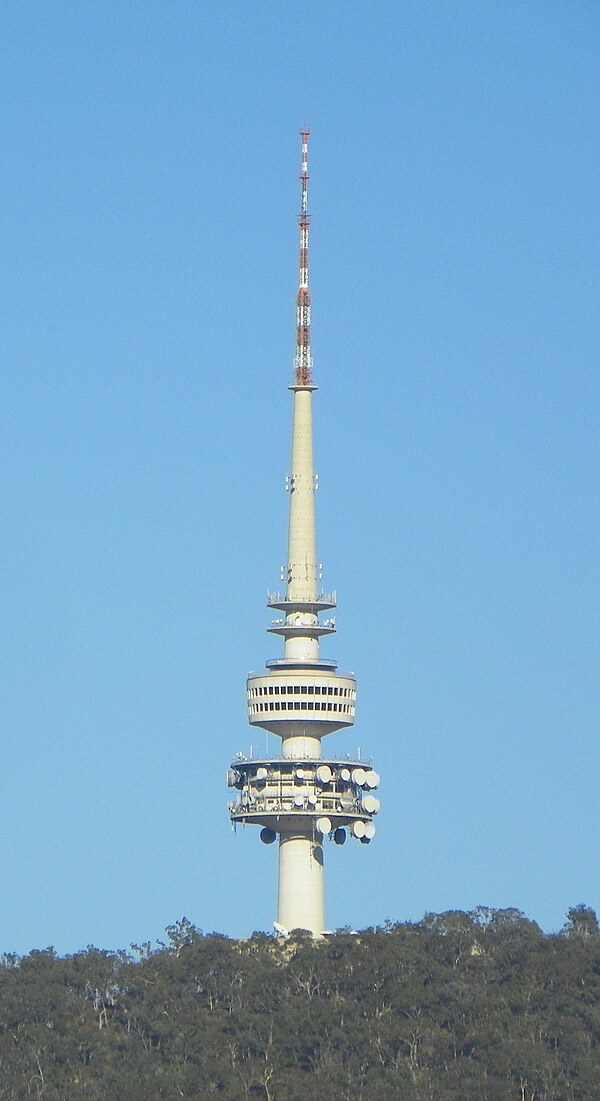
(300, 895)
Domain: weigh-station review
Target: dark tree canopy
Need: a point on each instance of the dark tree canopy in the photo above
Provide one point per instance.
(582, 921)
(478, 1006)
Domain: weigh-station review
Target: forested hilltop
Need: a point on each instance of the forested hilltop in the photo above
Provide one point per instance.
(478, 1006)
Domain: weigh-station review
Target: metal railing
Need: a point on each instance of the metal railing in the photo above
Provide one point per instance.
(274, 598)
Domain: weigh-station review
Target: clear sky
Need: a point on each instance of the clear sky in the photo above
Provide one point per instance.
(148, 200)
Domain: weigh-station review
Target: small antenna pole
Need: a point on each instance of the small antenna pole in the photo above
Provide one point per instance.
(303, 362)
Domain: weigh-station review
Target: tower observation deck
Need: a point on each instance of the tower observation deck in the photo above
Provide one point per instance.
(301, 797)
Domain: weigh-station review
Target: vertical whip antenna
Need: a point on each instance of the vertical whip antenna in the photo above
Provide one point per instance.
(303, 362)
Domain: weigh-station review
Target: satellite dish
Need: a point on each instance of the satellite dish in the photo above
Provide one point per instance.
(324, 825)
(261, 773)
(281, 929)
(312, 800)
(359, 776)
(370, 830)
(324, 774)
(298, 800)
(345, 775)
(300, 774)
(267, 836)
(358, 829)
(373, 779)
(371, 803)
(232, 778)
(339, 836)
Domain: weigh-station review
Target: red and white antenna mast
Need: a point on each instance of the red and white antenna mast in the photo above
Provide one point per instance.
(303, 361)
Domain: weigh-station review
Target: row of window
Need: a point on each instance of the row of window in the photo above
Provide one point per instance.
(302, 689)
(302, 705)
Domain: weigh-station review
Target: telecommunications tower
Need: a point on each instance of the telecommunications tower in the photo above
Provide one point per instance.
(302, 797)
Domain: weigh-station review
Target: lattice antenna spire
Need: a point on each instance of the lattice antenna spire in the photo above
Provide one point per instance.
(303, 361)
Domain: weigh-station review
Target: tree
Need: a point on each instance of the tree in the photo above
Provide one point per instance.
(582, 921)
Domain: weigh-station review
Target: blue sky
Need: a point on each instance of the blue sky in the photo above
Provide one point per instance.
(148, 204)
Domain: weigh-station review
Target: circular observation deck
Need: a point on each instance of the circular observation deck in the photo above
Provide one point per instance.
(302, 694)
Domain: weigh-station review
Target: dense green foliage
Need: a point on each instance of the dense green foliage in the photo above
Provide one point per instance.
(477, 1006)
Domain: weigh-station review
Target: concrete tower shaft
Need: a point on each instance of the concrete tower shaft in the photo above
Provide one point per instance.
(300, 796)
(302, 551)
